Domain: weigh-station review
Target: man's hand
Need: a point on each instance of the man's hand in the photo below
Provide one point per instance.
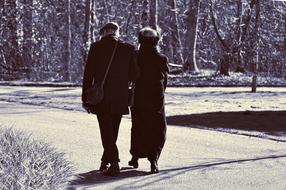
(86, 107)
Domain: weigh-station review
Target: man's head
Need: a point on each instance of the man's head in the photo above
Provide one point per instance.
(110, 28)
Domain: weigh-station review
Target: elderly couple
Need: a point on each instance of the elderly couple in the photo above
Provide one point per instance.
(147, 69)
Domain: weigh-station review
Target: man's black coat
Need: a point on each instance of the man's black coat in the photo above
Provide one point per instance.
(122, 70)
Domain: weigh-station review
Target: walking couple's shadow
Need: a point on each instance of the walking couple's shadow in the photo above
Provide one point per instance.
(95, 177)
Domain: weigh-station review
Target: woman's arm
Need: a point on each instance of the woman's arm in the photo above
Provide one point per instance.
(165, 71)
(134, 70)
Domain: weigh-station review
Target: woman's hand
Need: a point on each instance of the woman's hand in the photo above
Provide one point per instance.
(86, 107)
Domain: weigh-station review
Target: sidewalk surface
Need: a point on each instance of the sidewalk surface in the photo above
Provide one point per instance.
(191, 159)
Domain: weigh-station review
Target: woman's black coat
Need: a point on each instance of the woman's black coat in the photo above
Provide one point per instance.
(148, 132)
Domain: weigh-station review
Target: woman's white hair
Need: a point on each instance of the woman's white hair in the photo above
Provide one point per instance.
(149, 32)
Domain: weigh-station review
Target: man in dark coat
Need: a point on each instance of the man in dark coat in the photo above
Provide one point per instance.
(109, 111)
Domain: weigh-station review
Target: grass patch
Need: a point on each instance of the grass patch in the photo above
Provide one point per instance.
(208, 78)
(26, 163)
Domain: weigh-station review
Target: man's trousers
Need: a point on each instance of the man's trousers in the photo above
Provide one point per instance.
(109, 126)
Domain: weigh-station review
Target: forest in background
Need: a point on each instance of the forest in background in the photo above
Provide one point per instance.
(48, 40)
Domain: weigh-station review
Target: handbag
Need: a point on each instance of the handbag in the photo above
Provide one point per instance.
(95, 93)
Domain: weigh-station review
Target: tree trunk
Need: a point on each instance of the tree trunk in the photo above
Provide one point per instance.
(234, 51)
(254, 83)
(256, 62)
(224, 62)
(284, 36)
(153, 22)
(166, 33)
(145, 14)
(284, 50)
(9, 33)
(2, 4)
(27, 37)
(175, 34)
(86, 34)
(94, 20)
(107, 15)
(67, 44)
(191, 38)
(3, 64)
(131, 13)
(239, 66)
(244, 22)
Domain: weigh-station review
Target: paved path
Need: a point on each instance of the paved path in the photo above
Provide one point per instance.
(179, 101)
(192, 158)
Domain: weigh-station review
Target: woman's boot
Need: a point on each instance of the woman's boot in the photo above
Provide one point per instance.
(133, 162)
(154, 166)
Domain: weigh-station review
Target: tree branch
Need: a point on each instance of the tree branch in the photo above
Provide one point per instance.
(223, 43)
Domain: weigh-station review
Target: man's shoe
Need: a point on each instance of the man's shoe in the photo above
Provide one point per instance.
(103, 166)
(154, 167)
(112, 170)
(133, 162)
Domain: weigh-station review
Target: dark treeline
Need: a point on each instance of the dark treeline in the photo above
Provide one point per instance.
(48, 40)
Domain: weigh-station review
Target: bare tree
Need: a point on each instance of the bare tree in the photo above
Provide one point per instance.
(145, 14)
(3, 63)
(107, 14)
(192, 32)
(243, 25)
(175, 34)
(256, 62)
(11, 51)
(153, 22)
(232, 50)
(27, 36)
(131, 13)
(67, 44)
(284, 49)
(87, 26)
(32, 32)
(93, 20)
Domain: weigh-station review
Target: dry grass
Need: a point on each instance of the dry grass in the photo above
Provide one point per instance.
(27, 164)
(211, 78)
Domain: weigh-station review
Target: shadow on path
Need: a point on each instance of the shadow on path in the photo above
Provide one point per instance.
(270, 122)
(210, 164)
(95, 177)
(166, 174)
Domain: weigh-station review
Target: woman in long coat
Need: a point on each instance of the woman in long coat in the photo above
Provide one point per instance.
(148, 133)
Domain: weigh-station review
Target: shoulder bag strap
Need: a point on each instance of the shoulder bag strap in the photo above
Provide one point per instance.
(110, 61)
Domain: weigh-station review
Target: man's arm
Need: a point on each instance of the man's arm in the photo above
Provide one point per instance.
(88, 72)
